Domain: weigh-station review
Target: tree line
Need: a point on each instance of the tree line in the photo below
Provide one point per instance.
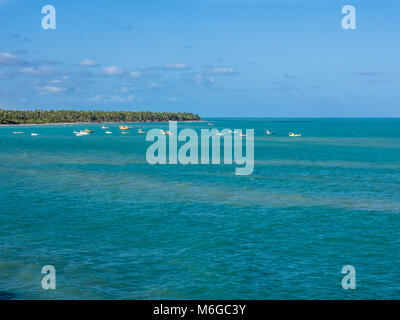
(59, 116)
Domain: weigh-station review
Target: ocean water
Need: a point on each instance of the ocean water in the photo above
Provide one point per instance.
(115, 227)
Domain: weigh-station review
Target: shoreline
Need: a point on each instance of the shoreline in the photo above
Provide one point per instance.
(83, 123)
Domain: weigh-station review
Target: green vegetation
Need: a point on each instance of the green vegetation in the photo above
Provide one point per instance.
(60, 116)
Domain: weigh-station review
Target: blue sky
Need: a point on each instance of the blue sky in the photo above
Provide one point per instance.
(230, 58)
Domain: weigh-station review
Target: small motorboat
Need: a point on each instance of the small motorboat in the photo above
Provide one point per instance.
(103, 127)
(243, 135)
(267, 132)
(18, 132)
(166, 132)
(34, 134)
(140, 131)
(125, 127)
(124, 132)
(291, 134)
(108, 132)
(88, 131)
(82, 133)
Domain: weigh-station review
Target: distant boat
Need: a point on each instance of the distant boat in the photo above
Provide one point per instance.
(34, 134)
(108, 132)
(103, 127)
(81, 133)
(291, 134)
(166, 132)
(125, 127)
(88, 131)
(267, 132)
(140, 131)
(18, 132)
(243, 135)
(125, 132)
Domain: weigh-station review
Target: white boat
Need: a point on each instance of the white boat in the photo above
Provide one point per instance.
(17, 132)
(34, 134)
(103, 127)
(82, 133)
(108, 132)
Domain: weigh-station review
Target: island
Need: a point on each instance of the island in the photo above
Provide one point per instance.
(11, 117)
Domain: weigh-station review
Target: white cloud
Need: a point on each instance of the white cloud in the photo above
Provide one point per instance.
(112, 70)
(50, 89)
(37, 71)
(7, 55)
(154, 85)
(111, 98)
(89, 63)
(136, 74)
(176, 66)
(8, 58)
(174, 99)
(201, 79)
(125, 89)
(222, 71)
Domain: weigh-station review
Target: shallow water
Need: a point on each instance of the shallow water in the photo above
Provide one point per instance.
(115, 227)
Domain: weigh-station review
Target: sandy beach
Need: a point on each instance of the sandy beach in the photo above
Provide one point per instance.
(75, 123)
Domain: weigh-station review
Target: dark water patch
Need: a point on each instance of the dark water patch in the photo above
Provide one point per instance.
(7, 295)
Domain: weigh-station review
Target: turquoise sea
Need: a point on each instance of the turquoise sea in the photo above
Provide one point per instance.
(115, 227)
